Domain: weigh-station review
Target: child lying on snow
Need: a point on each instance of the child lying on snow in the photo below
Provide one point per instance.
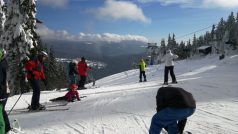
(70, 95)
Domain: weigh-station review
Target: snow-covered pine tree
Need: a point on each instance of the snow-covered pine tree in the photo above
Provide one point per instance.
(18, 37)
(231, 28)
(169, 45)
(220, 31)
(2, 16)
(162, 47)
(194, 44)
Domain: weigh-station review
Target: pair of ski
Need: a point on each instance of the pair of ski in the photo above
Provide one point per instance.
(54, 106)
(49, 107)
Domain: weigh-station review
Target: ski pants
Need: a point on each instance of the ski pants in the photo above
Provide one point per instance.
(72, 79)
(2, 123)
(5, 95)
(169, 117)
(166, 73)
(35, 100)
(5, 116)
(82, 81)
(142, 73)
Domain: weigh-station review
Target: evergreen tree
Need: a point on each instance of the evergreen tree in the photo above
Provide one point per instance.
(232, 29)
(2, 16)
(162, 47)
(188, 48)
(181, 50)
(169, 45)
(194, 44)
(174, 44)
(18, 37)
(220, 31)
(213, 33)
(200, 41)
(55, 71)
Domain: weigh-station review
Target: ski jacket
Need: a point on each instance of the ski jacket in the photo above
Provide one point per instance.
(3, 79)
(174, 97)
(35, 70)
(142, 65)
(72, 94)
(83, 68)
(3, 72)
(72, 68)
(169, 57)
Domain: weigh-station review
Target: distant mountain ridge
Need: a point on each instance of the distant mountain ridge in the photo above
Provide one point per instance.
(74, 49)
(118, 56)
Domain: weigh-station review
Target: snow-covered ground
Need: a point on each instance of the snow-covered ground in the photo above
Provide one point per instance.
(122, 105)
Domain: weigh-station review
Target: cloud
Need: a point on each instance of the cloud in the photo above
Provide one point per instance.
(121, 10)
(168, 2)
(221, 3)
(47, 33)
(196, 3)
(54, 3)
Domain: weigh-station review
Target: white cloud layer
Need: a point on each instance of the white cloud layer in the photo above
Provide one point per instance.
(197, 3)
(221, 3)
(54, 3)
(167, 2)
(121, 10)
(47, 33)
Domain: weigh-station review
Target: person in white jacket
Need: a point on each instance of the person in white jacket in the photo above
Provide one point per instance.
(169, 66)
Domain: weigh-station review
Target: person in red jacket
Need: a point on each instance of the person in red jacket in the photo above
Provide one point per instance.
(70, 95)
(35, 73)
(82, 70)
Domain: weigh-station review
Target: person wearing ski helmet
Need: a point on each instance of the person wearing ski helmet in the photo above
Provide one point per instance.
(70, 96)
(4, 92)
(35, 73)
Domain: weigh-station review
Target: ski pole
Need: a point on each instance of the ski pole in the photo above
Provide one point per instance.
(15, 104)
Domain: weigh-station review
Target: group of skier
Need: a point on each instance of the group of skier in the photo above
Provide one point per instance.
(174, 104)
(168, 58)
(35, 72)
(34, 68)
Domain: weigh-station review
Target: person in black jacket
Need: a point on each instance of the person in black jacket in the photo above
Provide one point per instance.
(72, 72)
(4, 90)
(174, 105)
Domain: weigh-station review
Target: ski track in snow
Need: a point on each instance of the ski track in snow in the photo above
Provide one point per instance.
(122, 105)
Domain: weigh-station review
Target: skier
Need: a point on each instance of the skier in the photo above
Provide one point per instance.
(142, 66)
(72, 72)
(169, 66)
(4, 92)
(82, 70)
(70, 95)
(35, 73)
(174, 105)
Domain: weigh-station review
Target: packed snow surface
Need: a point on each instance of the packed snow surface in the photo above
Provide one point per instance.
(122, 105)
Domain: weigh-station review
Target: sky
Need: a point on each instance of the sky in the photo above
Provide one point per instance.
(143, 20)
